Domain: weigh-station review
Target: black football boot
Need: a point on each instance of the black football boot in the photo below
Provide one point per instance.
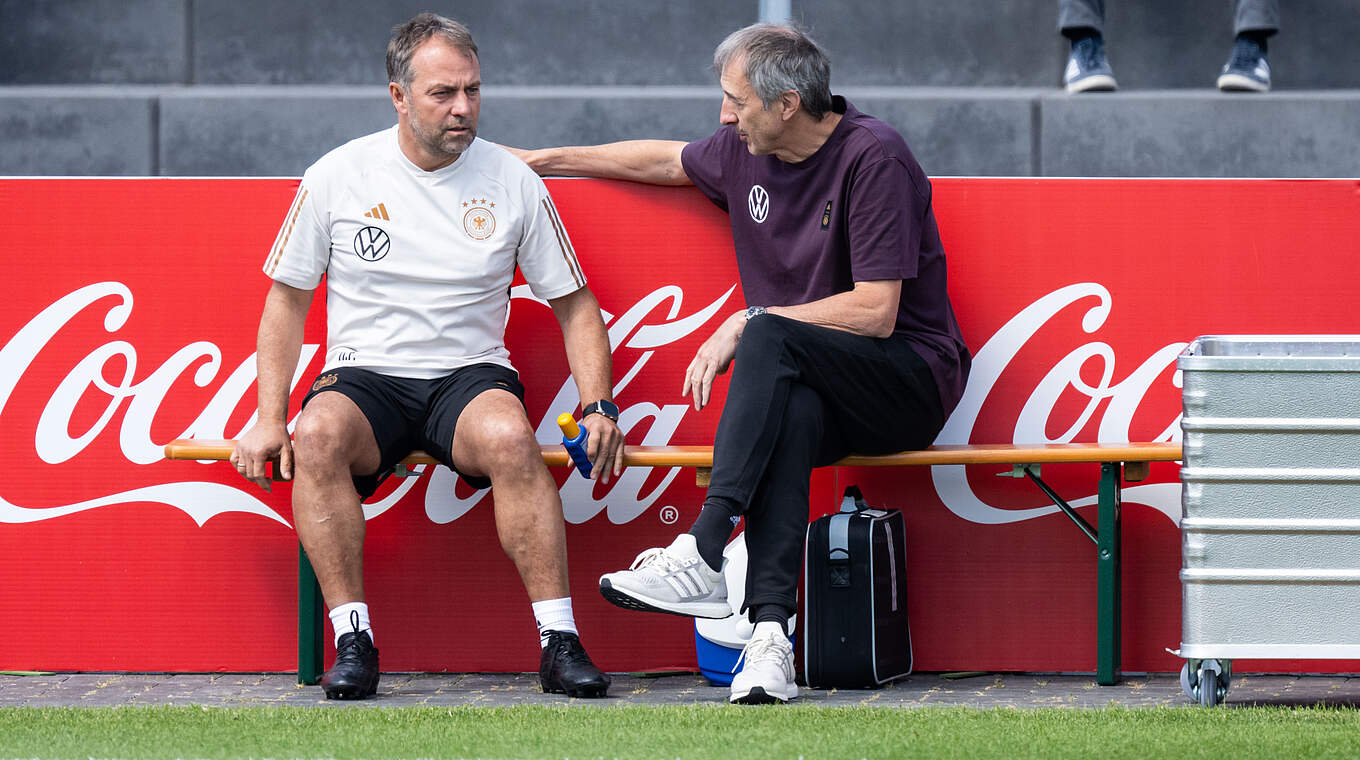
(355, 673)
(565, 668)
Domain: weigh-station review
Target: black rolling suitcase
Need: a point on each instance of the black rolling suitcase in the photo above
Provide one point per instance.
(855, 632)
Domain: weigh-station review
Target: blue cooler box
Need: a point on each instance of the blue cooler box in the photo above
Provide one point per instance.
(718, 643)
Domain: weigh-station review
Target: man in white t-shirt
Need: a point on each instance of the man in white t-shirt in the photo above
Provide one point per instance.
(419, 230)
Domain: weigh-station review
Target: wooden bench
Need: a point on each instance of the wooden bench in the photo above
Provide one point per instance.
(1119, 462)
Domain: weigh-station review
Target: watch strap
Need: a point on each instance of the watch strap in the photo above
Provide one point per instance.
(602, 407)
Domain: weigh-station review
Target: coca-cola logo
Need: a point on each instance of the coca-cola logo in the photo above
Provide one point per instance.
(202, 363)
(1120, 400)
(109, 372)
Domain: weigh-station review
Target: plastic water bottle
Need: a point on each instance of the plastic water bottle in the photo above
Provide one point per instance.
(574, 441)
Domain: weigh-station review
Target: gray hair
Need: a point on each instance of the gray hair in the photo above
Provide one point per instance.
(409, 36)
(779, 59)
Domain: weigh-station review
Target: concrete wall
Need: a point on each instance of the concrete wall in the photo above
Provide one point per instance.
(969, 43)
(94, 41)
(212, 87)
(582, 42)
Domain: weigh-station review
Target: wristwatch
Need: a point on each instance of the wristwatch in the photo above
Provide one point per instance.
(753, 312)
(602, 407)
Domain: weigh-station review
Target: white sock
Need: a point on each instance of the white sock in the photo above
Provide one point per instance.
(343, 620)
(554, 615)
(767, 628)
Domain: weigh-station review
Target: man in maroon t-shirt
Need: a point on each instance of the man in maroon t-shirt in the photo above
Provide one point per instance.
(849, 344)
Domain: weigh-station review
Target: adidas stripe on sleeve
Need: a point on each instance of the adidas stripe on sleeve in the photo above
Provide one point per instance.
(546, 256)
(301, 250)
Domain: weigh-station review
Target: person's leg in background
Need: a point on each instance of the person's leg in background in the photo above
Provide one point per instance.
(1247, 69)
(1082, 22)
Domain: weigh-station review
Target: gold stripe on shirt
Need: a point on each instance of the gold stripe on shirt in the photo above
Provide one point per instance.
(297, 200)
(284, 233)
(564, 243)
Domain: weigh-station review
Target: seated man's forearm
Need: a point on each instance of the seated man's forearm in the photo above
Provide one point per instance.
(869, 309)
(653, 161)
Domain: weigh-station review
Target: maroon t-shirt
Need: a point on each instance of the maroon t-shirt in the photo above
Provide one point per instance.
(857, 209)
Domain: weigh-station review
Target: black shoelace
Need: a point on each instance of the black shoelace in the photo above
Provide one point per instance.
(352, 651)
(571, 654)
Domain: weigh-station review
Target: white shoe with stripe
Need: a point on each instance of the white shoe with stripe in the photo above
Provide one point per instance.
(674, 580)
(767, 677)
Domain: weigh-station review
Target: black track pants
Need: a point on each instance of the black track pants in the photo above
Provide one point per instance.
(802, 396)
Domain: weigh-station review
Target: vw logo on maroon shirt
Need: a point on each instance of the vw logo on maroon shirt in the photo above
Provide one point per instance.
(758, 201)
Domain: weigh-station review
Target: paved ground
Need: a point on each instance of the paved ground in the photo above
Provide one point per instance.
(1016, 690)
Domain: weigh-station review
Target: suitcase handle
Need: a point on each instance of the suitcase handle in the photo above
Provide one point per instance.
(838, 550)
(853, 501)
(838, 537)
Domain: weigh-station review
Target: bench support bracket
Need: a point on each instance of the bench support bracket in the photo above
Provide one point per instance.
(1032, 472)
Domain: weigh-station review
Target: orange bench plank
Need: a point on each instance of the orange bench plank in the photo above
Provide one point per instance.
(702, 456)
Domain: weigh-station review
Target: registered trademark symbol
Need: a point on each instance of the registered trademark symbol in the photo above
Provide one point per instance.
(669, 515)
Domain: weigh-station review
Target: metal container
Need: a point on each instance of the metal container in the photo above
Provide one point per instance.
(1270, 528)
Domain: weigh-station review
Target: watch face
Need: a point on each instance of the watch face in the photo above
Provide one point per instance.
(607, 408)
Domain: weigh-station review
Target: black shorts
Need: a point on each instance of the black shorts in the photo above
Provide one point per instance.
(407, 414)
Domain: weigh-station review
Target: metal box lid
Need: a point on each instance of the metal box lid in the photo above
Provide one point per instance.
(1273, 353)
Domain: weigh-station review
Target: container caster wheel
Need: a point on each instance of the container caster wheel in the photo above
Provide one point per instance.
(1208, 685)
(1209, 681)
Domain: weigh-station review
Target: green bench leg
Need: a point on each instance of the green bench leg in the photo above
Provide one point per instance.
(1107, 575)
(310, 627)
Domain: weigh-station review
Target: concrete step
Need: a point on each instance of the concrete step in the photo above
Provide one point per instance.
(1201, 134)
(280, 130)
(79, 131)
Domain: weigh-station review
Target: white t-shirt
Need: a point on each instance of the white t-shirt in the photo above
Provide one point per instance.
(419, 264)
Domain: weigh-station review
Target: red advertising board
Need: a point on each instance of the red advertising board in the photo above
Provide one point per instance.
(131, 320)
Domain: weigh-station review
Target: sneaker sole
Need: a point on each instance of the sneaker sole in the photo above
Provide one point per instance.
(1094, 83)
(352, 692)
(630, 601)
(593, 691)
(758, 696)
(1239, 83)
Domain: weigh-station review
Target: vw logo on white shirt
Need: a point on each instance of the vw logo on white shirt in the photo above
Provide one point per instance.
(371, 243)
(758, 202)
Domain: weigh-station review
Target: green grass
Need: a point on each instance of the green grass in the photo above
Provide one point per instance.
(699, 731)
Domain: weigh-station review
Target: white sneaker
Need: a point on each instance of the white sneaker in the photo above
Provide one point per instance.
(768, 674)
(674, 580)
